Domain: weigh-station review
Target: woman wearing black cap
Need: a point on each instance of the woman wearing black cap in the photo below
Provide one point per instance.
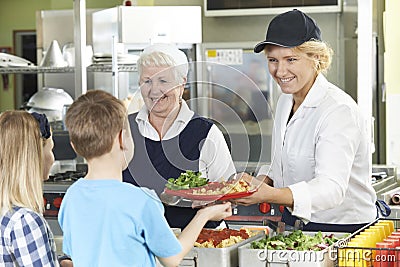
(320, 169)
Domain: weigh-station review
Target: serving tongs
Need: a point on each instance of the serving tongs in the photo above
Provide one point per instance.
(280, 227)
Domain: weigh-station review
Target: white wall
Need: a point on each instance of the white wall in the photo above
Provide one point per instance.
(392, 81)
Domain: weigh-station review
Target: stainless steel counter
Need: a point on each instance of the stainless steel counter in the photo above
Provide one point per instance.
(385, 184)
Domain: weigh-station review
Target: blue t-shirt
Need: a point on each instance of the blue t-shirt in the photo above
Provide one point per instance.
(111, 223)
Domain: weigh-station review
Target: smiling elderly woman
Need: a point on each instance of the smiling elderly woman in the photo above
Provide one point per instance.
(169, 137)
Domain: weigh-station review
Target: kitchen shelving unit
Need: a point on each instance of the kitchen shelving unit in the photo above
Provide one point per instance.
(114, 69)
(79, 71)
(92, 68)
(34, 69)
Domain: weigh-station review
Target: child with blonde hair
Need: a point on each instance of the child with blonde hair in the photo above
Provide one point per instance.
(25, 160)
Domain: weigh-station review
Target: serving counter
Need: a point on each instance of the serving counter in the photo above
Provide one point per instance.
(386, 183)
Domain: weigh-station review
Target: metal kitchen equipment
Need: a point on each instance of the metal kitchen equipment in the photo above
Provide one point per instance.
(7, 60)
(384, 179)
(113, 34)
(386, 184)
(282, 258)
(236, 90)
(48, 25)
(54, 190)
(50, 101)
(221, 257)
(65, 171)
(53, 56)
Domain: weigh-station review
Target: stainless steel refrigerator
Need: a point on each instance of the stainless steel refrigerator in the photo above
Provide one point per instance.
(236, 90)
(129, 29)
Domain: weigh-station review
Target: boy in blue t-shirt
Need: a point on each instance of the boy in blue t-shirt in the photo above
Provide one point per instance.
(106, 222)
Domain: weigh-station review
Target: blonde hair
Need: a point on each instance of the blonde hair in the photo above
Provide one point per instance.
(93, 121)
(21, 161)
(160, 59)
(319, 52)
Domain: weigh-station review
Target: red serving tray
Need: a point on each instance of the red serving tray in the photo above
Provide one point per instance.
(188, 193)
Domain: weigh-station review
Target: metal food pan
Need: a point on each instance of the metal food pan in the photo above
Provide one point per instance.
(281, 258)
(217, 257)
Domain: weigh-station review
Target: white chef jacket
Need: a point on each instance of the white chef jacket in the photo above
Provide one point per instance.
(322, 155)
(215, 162)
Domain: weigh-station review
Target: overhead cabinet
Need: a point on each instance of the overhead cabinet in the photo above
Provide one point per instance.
(143, 25)
(245, 8)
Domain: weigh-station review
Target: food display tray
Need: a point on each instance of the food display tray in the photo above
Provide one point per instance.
(217, 257)
(280, 258)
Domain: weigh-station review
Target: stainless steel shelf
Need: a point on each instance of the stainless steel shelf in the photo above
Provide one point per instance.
(32, 70)
(108, 68)
(92, 68)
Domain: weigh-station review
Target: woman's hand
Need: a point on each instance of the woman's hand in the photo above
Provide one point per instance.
(258, 183)
(261, 195)
(265, 192)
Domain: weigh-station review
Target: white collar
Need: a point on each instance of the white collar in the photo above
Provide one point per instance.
(184, 115)
(317, 92)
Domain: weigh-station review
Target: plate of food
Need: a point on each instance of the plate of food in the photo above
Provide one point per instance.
(211, 191)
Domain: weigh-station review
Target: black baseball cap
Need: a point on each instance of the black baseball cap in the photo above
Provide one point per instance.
(290, 29)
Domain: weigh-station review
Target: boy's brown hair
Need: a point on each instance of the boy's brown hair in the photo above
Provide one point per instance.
(93, 121)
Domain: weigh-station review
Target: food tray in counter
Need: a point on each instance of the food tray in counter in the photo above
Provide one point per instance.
(281, 258)
(221, 257)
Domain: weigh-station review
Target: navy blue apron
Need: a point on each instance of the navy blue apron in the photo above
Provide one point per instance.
(154, 162)
(288, 218)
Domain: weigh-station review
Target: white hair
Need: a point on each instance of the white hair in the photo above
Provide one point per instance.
(164, 55)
